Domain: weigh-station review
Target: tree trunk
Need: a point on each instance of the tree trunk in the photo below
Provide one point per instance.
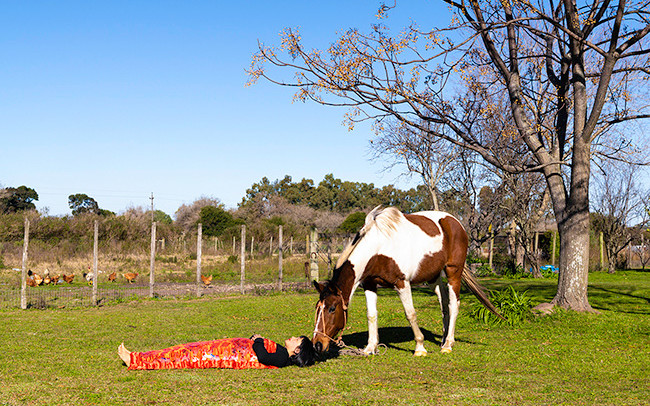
(574, 262)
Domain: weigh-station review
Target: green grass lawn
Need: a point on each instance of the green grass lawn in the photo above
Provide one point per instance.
(68, 356)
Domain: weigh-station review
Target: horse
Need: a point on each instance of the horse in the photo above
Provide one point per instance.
(398, 250)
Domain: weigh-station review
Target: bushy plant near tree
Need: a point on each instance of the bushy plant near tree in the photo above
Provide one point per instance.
(515, 306)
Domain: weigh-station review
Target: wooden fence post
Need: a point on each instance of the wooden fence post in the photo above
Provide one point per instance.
(313, 255)
(23, 282)
(243, 258)
(199, 246)
(95, 271)
(280, 258)
(153, 258)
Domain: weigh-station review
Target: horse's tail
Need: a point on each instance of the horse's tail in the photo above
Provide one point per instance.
(473, 285)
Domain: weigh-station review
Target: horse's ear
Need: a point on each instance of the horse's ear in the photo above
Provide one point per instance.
(319, 286)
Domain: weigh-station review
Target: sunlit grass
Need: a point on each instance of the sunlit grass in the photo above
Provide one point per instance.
(68, 356)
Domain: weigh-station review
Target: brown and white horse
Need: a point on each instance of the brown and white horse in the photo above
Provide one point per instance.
(398, 250)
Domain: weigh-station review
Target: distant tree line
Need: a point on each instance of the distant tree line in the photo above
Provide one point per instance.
(333, 206)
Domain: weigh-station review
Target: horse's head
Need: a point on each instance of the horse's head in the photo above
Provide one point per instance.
(331, 316)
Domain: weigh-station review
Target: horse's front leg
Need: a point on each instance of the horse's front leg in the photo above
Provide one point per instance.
(373, 330)
(409, 311)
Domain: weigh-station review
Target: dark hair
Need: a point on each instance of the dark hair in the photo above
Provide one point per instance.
(306, 356)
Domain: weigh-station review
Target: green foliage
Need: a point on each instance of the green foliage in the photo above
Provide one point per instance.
(276, 221)
(13, 200)
(353, 222)
(215, 220)
(161, 217)
(333, 194)
(513, 305)
(81, 203)
(484, 270)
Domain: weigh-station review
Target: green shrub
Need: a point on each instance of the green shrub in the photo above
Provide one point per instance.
(513, 305)
(484, 270)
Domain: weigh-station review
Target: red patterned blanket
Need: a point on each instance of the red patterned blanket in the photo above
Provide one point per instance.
(236, 353)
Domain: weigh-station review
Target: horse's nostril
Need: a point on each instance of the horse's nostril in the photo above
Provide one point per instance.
(319, 346)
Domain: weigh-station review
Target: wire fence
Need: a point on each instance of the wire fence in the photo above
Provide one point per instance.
(79, 296)
(115, 278)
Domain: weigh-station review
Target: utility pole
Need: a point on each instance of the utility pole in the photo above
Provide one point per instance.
(151, 207)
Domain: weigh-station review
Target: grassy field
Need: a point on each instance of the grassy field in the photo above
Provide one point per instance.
(68, 356)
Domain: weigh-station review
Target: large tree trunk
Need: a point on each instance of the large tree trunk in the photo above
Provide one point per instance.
(574, 262)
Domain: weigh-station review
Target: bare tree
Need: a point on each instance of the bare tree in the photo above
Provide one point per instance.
(427, 156)
(618, 204)
(526, 205)
(188, 215)
(568, 70)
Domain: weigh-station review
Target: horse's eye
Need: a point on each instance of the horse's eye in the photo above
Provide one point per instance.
(332, 309)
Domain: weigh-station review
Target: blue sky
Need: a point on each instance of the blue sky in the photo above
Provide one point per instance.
(119, 100)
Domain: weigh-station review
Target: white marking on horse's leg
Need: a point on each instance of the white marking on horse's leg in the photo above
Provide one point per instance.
(373, 331)
(443, 299)
(409, 311)
(454, 304)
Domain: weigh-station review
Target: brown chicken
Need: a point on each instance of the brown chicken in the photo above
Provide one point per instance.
(55, 279)
(207, 280)
(111, 277)
(67, 278)
(38, 279)
(130, 276)
(30, 282)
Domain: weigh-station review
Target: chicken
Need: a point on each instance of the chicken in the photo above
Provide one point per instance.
(46, 277)
(130, 276)
(30, 282)
(90, 275)
(206, 280)
(111, 277)
(55, 279)
(38, 279)
(67, 278)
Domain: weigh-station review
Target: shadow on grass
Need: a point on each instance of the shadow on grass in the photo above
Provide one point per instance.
(617, 300)
(390, 336)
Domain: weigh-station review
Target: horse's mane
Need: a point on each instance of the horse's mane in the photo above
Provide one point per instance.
(385, 220)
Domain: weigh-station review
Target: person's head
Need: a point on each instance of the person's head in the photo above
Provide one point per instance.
(301, 351)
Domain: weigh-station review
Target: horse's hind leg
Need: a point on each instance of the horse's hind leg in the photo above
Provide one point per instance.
(453, 304)
(409, 311)
(443, 298)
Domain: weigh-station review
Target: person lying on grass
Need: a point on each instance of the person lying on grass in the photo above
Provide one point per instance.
(256, 352)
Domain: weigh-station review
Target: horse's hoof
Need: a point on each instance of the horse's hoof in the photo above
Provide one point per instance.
(445, 350)
(420, 353)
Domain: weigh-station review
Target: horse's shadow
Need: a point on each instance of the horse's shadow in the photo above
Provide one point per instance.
(390, 336)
